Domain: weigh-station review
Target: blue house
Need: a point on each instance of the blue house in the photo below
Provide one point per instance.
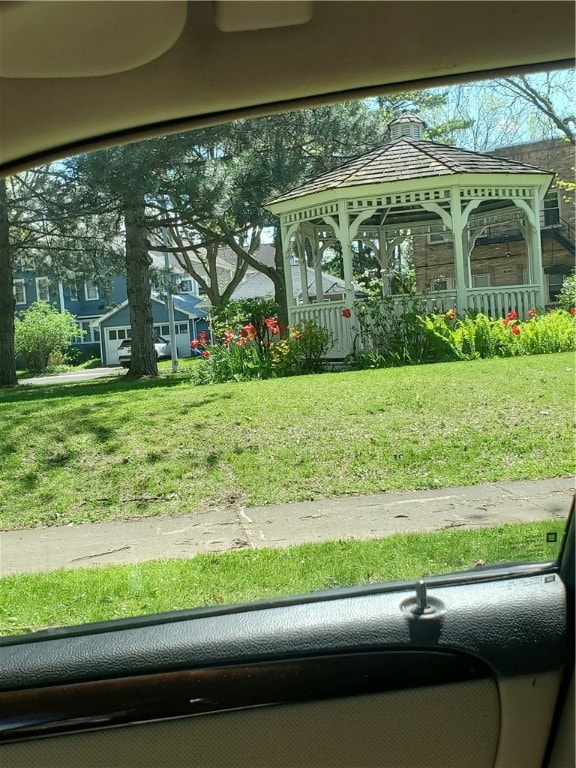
(189, 319)
(101, 310)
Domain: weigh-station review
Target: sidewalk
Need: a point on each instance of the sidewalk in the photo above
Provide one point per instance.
(281, 525)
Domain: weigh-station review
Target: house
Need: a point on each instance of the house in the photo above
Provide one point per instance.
(101, 308)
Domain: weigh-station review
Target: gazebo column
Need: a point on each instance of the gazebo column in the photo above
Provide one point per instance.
(303, 270)
(534, 245)
(346, 245)
(286, 234)
(534, 242)
(317, 258)
(459, 256)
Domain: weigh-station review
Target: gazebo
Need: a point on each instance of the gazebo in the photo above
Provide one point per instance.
(405, 188)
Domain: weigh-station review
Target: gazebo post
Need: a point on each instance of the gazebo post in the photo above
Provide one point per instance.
(302, 263)
(286, 236)
(458, 231)
(535, 270)
(344, 238)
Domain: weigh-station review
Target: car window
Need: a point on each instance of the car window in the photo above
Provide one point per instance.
(367, 316)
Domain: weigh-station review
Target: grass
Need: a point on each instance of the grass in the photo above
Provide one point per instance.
(97, 594)
(111, 449)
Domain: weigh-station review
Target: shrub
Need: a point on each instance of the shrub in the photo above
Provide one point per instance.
(567, 295)
(391, 332)
(477, 335)
(41, 332)
(302, 352)
(242, 356)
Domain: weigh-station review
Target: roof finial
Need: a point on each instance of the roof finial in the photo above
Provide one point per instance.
(407, 125)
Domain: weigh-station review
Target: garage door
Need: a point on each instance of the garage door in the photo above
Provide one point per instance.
(114, 336)
(182, 336)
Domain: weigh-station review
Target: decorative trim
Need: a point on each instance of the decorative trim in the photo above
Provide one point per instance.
(187, 693)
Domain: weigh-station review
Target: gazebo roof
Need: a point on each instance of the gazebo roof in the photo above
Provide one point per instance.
(405, 159)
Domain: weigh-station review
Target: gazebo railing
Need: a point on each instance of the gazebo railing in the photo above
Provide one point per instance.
(430, 303)
(327, 314)
(494, 302)
(498, 302)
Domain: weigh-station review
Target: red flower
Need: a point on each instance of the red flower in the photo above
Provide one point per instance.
(206, 354)
(202, 337)
(281, 327)
(194, 343)
(451, 315)
(512, 315)
(573, 310)
(515, 330)
(228, 335)
(249, 332)
(346, 312)
(270, 322)
(532, 313)
(274, 330)
(241, 341)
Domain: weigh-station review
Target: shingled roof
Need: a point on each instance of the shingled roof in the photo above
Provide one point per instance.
(405, 159)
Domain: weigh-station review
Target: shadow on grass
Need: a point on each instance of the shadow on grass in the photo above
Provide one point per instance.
(39, 392)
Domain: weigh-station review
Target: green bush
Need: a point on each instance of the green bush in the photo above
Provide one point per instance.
(478, 336)
(241, 355)
(567, 295)
(302, 352)
(391, 333)
(41, 334)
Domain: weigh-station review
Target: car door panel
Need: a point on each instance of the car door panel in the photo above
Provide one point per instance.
(367, 672)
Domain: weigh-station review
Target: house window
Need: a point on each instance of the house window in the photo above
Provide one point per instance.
(73, 291)
(443, 284)
(436, 238)
(551, 209)
(182, 328)
(19, 291)
(555, 282)
(480, 281)
(91, 291)
(42, 289)
(112, 335)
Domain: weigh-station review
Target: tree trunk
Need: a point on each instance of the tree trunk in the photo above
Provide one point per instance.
(279, 280)
(143, 359)
(7, 301)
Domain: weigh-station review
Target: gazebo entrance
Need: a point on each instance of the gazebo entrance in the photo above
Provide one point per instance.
(413, 190)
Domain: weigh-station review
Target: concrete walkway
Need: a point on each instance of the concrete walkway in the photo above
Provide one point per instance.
(281, 525)
(72, 376)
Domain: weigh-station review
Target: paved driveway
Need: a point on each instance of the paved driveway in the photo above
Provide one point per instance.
(70, 376)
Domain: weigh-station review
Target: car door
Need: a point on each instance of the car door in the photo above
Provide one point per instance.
(469, 669)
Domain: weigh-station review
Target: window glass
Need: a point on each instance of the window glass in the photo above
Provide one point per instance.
(92, 291)
(382, 397)
(43, 289)
(19, 291)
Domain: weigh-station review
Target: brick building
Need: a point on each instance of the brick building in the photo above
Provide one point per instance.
(499, 255)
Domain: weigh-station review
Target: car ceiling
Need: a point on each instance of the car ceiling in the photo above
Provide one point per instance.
(124, 70)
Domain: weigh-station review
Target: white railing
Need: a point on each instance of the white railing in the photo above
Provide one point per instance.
(427, 304)
(494, 302)
(497, 302)
(328, 314)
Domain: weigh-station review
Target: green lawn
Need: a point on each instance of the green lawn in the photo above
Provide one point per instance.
(27, 601)
(116, 449)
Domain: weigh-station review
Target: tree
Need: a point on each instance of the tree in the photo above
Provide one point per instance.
(119, 183)
(509, 110)
(7, 301)
(42, 330)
